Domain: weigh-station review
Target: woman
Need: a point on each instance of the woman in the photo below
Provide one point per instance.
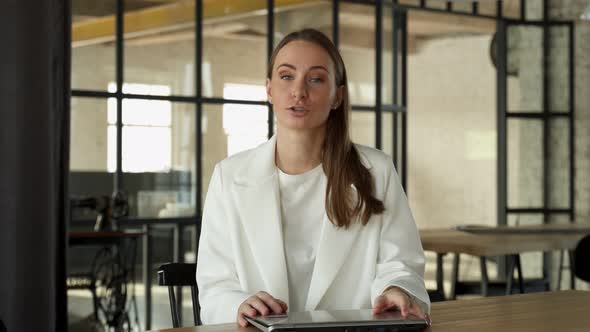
(308, 220)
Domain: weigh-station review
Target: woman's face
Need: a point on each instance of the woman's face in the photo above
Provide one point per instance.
(302, 87)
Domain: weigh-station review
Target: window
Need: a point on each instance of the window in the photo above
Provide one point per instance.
(245, 125)
(147, 133)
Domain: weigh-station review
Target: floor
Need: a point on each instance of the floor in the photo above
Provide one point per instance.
(81, 318)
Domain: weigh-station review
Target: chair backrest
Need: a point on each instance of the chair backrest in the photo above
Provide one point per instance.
(180, 274)
(582, 259)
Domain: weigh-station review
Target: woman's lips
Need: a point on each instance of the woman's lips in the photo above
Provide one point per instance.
(297, 111)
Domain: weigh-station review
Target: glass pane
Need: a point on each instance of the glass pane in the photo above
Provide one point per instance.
(558, 69)
(88, 134)
(559, 163)
(159, 160)
(387, 58)
(425, 27)
(523, 219)
(532, 263)
(513, 93)
(463, 6)
(451, 130)
(525, 63)
(162, 242)
(357, 46)
(93, 47)
(229, 129)
(437, 4)
(141, 111)
(387, 132)
(190, 238)
(534, 10)
(488, 8)
(511, 8)
(234, 45)
(409, 2)
(157, 31)
(525, 163)
(389, 138)
(316, 14)
(362, 127)
(88, 152)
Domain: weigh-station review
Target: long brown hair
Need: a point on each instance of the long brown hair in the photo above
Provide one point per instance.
(340, 159)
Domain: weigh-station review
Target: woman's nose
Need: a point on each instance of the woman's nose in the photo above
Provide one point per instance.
(299, 90)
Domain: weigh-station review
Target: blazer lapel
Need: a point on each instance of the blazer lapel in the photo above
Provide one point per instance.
(257, 196)
(333, 249)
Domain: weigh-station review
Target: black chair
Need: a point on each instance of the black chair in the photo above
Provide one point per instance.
(180, 274)
(435, 295)
(582, 259)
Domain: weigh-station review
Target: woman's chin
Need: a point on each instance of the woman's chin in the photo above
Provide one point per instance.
(300, 125)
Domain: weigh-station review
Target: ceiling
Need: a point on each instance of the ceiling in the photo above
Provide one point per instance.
(164, 21)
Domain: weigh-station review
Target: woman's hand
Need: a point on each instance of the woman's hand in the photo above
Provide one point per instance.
(395, 298)
(261, 303)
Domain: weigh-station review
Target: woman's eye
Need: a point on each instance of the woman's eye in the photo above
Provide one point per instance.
(286, 77)
(316, 80)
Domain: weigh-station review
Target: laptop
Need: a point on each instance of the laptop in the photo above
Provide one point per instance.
(338, 321)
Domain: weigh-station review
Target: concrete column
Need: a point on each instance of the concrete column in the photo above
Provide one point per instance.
(34, 128)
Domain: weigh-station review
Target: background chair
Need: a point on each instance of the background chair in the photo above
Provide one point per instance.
(582, 259)
(180, 274)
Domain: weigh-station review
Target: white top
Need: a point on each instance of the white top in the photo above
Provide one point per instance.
(302, 212)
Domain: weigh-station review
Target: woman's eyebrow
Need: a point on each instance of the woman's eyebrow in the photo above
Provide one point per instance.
(319, 67)
(295, 68)
(286, 65)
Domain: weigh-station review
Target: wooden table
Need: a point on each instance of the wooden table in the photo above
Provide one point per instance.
(550, 311)
(498, 241)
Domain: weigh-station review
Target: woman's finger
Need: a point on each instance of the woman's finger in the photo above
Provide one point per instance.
(242, 321)
(259, 305)
(393, 298)
(270, 302)
(284, 305)
(404, 306)
(245, 310)
(417, 311)
(382, 303)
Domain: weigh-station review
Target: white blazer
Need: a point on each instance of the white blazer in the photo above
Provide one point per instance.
(241, 247)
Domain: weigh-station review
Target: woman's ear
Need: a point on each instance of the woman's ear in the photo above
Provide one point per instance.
(268, 94)
(339, 96)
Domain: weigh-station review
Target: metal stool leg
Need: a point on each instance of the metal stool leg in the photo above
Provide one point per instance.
(559, 270)
(484, 276)
(510, 273)
(519, 270)
(572, 269)
(454, 277)
(173, 307)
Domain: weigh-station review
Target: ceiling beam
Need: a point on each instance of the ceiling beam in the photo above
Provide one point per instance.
(225, 17)
(167, 17)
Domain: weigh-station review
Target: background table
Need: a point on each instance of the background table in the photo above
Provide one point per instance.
(550, 311)
(509, 241)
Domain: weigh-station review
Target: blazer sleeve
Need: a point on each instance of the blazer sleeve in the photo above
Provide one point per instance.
(220, 293)
(401, 257)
